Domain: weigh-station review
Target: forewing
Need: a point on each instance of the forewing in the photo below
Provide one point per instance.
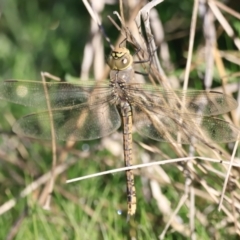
(184, 129)
(61, 94)
(204, 103)
(84, 122)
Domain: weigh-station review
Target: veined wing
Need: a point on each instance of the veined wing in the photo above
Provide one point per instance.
(183, 128)
(83, 122)
(61, 94)
(205, 103)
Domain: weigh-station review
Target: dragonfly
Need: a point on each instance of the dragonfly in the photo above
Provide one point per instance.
(91, 110)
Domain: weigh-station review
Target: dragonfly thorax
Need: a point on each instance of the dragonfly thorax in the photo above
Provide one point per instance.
(120, 59)
(119, 81)
(119, 92)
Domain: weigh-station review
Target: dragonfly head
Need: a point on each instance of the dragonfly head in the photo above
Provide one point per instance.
(120, 59)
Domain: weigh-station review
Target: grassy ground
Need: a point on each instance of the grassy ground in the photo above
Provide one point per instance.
(48, 36)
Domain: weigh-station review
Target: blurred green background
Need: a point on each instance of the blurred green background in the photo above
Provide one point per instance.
(50, 36)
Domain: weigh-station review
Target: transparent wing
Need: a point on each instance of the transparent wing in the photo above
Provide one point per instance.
(32, 93)
(184, 128)
(205, 103)
(84, 122)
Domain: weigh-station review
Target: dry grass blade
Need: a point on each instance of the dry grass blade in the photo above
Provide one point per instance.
(45, 198)
(227, 27)
(227, 175)
(191, 42)
(35, 185)
(144, 165)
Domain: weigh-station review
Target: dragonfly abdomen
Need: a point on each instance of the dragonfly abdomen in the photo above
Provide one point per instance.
(126, 112)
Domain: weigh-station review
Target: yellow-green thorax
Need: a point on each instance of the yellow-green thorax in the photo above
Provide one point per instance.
(120, 59)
